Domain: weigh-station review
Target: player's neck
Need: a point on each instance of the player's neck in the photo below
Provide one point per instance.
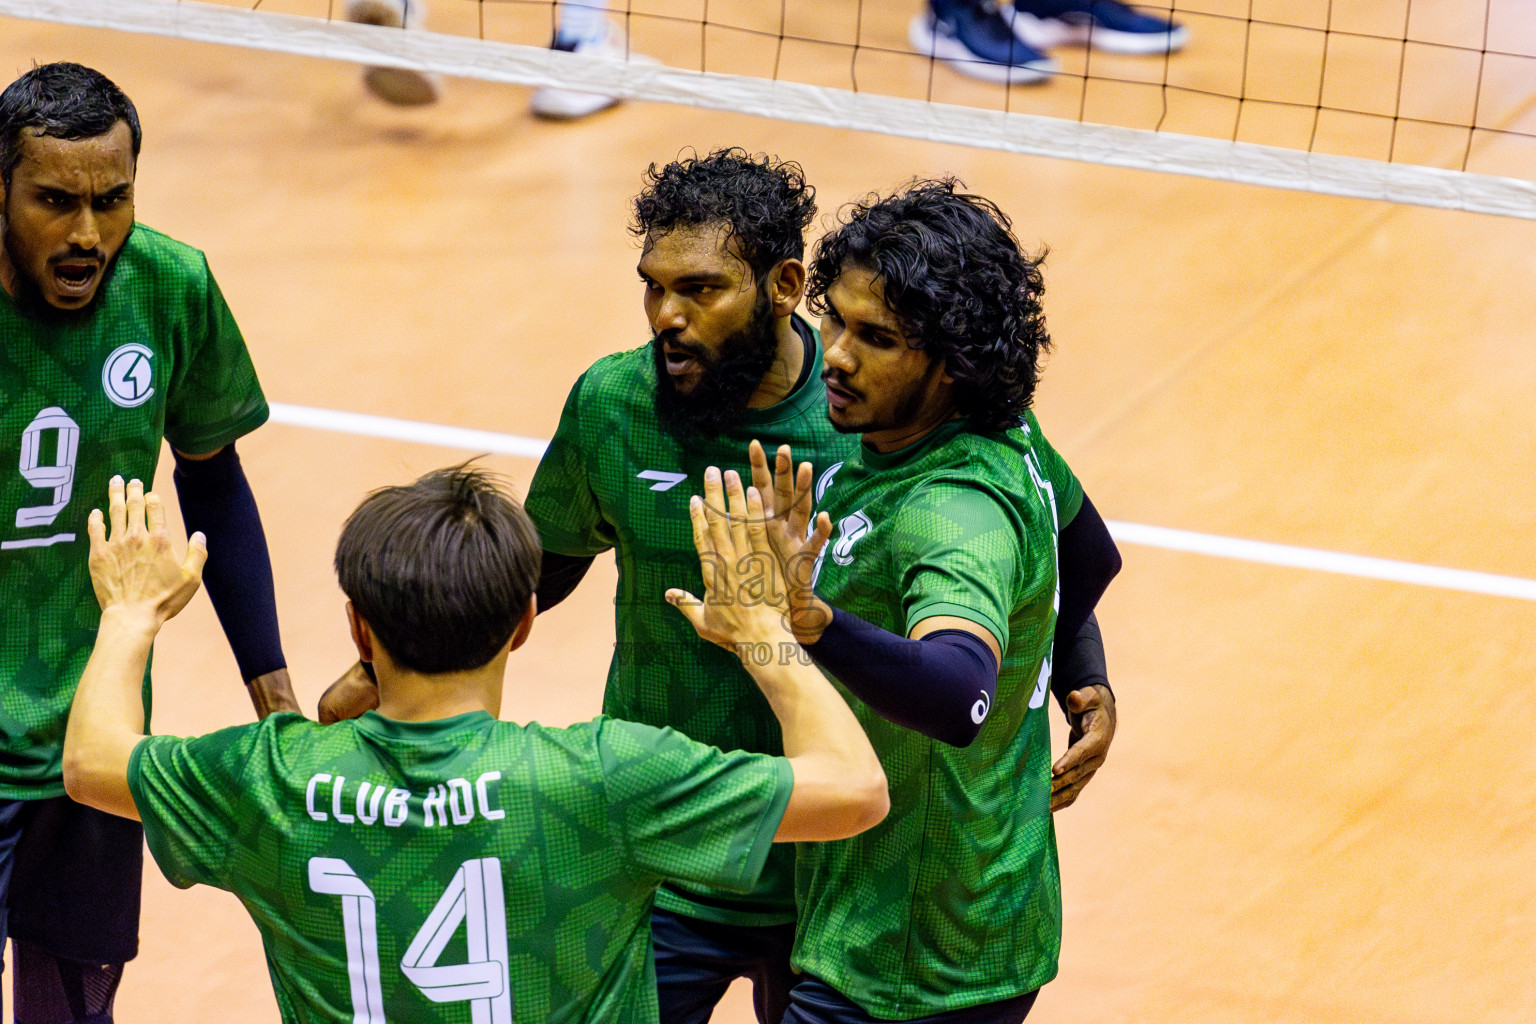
(936, 409)
(788, 361)
(416, 697)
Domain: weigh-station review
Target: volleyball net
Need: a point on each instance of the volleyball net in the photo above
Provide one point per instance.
(1425, 102)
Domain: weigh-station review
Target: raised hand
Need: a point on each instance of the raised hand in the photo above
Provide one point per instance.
(795, 541)
(132, 566)
(745, 598)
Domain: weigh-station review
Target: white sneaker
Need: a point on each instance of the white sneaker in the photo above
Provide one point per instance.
(568, 104)
(400, 86)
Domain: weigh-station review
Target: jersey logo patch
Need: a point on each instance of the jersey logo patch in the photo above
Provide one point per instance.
(127, 376)
(825, 480)
(664, 481)
(850, 529)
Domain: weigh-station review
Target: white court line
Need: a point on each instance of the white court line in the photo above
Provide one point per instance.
(1128, 533)
(1323, 561)
(407, 430)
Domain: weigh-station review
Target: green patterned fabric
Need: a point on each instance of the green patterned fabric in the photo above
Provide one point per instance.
(81, 399)
(954, 899)
(1065, 486)
(459, 870)
(614, 478)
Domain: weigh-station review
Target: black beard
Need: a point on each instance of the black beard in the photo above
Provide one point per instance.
(29, 294)
(718, 400)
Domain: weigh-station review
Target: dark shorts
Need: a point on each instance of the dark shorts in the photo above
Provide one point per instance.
(696, 961)
(813, 1001)
(70, 879)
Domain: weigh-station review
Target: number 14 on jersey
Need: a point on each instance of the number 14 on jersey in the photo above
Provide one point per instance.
(473, 898)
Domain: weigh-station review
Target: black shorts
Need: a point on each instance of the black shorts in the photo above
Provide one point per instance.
(70, 879)
(813, 1001)
(696, 961)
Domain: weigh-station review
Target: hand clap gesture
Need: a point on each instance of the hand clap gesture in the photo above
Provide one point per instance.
(796, 545)
(745, 600)
(132, 566)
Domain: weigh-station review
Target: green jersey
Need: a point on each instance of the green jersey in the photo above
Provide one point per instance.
(613, 477)
(82, 398)
(459, 870)
(954, 899)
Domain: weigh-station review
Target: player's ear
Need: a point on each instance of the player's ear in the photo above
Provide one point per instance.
(362, 636)
(786, 286)
(525, 624)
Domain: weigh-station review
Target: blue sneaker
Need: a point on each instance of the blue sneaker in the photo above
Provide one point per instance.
(1103, 24)
(974, 38)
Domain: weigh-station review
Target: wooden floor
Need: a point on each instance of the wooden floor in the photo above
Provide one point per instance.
(1319, 804)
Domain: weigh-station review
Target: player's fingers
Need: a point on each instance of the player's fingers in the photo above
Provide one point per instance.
(715, 513)
(696, 521)
(117, 507)
(1087, 754)
(757, 523)
(801, 568)
(762, 476)
(96, 528)
(135, 505)
(803, 484)
(1066, 789)
(1065, 796)
(1079, 701)
(691, 607)
(783, 481)
(736, 505)
(821, 532)
(197, 556)
(154, 512)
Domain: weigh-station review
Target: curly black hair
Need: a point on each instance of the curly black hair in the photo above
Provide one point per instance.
(66, 101)
(955, 275)
(764, 201)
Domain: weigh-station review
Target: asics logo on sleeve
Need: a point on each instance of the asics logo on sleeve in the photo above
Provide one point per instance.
(980, 708)
(664, 481)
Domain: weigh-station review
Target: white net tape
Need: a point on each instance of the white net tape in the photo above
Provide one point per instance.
(812, 104)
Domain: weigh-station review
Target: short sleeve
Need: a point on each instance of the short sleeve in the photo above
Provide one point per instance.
(560, 499)
(689, 812)
(961, 554)
(1064, 484)
(190, 798)
(215, 397)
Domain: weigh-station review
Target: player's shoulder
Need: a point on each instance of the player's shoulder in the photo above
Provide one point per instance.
(970, 465)
(156, 252)
(159, 275)
(620, 375)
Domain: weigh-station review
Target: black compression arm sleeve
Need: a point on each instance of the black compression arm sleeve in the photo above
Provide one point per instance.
(216, 498)
(1079, 663)
(942, 685)
(558, 576)
(1087, 560)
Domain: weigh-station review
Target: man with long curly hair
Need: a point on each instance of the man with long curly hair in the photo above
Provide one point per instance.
(935, 606)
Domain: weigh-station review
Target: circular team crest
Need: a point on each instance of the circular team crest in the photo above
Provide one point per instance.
(127, 375)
